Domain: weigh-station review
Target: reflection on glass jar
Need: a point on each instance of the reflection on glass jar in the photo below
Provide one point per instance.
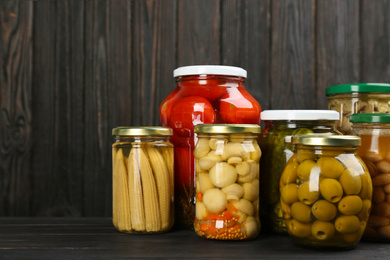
(204, 95)
(227, 181)
(142, 180)
(325, 192)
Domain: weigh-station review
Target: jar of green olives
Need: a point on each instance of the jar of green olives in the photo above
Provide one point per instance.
(281, 125)
(374, 130)
(326, 192)
(227, 181)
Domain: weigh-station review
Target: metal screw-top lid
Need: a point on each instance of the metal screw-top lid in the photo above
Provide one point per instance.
(370, 118)
(142, 131)
(227, 129)
(209, 70)
(327, 140)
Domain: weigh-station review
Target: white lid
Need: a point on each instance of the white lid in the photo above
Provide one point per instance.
(209, 70)
(299, 115)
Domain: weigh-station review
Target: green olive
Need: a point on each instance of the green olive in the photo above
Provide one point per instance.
(351, 181)
(303, 154)
(299, 229)
(331, 190)
(365, 211)
(347, 224)
(289, 193)
(355, 236)
(307, 194)
(366, 191)
(301, 212)
(289, 174)
(350, 205)
(324, 210)
(330, 167)
(322, 230)
(304, 169)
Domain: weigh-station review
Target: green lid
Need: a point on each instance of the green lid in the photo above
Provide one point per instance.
(359, 87)
(142, 131)
(327, 140)
(370, 118)
(227, 129)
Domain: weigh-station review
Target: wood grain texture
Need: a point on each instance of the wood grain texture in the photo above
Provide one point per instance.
(198, 35)
(154, 37)
(245, 43)
(338, 46)
(292, 50)
(375, 37)
(15, 107)
(96, 238)
(58, 108)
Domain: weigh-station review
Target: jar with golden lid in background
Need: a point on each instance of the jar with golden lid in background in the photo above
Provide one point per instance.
(279, 126)
(374, 130)
(349, 99)
(142, 180)
(325, 192)
(227, 181)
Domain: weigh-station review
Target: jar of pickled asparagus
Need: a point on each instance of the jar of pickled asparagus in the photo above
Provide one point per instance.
(142, 180)
(325, 192)
(374, 130)
(204, 94)
(227, 181)
(275, 142)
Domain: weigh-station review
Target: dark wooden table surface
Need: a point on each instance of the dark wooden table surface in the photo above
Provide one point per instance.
(95, 238)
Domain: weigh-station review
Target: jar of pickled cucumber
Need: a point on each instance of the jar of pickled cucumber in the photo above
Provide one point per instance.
(275, 143)
(204, 94)
(349, 99)
(142, 180)
(325, 192)
(227, 181)
(374, 130)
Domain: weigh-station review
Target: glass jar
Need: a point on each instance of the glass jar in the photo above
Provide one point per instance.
(203, 95)
(227, 181)
(374, 130)
(142, 180)
(325, 192)
(357, 98)
(280, 125)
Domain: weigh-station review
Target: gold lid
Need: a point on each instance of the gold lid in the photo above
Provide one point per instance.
(142, 131)
(227, 129)
(327, 140)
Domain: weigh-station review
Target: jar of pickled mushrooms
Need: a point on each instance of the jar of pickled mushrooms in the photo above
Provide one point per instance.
(325, 192)
(374, 130)
(142, 180)
(227, 181)
(349, 99)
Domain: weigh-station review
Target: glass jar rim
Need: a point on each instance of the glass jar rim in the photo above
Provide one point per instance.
(227, 129)
(301, 114)
(358, 87)
(370, 118)
(142, 131)
(327, 140)
(209, 70)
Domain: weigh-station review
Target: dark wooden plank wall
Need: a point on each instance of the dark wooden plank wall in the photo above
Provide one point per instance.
(72, 70)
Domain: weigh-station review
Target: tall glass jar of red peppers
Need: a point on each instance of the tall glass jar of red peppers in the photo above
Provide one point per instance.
(204, 94)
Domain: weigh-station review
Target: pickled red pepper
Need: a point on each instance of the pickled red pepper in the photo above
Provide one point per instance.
(203, 95)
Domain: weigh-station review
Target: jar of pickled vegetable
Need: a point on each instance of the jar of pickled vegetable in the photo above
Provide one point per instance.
(280, 125)
(374, 130)
(142, 180)
(325, 192)
(203, 95)
(357, 98)
(227, 181)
